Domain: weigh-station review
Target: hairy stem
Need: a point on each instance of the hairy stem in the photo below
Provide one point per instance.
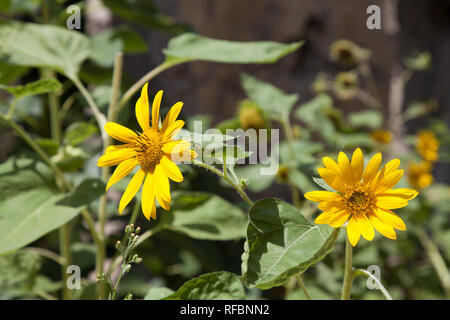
(230, 181)
(112, 115)
(348, 272)
(436, 259)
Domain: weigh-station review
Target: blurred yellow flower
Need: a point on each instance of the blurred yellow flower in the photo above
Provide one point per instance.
(382, 136)
(346, 85)
(427, 146)
(153, 150)
(251, 116)
(364, 198)
(348, 53)
(419, 174)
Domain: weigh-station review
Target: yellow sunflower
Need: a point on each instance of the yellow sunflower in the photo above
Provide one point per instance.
(364, 198)
(427, 146)
(153, 150)
(381, 136)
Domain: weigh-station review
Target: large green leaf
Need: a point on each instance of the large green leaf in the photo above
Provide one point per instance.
(30, 206)
(202, 215)
(191, 46)
(271, 99)
(158, 293)
(34, 45)
(33, 88)
(281, 243)
(211, 286)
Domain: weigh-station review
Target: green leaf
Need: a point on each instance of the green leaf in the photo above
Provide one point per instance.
(158, 293)
(43, 46)
(132, 41)
(202, 215)
(301, 180)
(281, 243)
(104, 48)
(33, 88)
(144, 12)
(211, 286)
(272, 100)
(191, 46)
(314, 113)
(30, 207)
(370, 118)
(78, 132)
(323, 184)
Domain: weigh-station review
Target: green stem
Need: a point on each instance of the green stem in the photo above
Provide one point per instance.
(102, 217)
(348, 273)
(64, 245)
(46, 253)
(302, 285)
(436, 260)
(99, 117)
(230, 181)
(369, 275)
(12, 109)
(290, 142)
(147, 77)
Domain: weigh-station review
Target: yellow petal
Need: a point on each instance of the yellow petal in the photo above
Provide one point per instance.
(339, 219)
(116, 157)
(131, 189)
(387, 202)
(171, 169)
(404, 193)
(366, 228)
(120, 133)
(390, 218)
(118, 147)
(319, 196)
(172, 130)
(372, 168)
(148, 197)
(357, 164)
(175, 146)
(171, 115)
(326, 217)
(345, 168)
(390, 167)
(162, 187)
(353, 231)
(331, 205)
(142, 109)
(384, 229)
(155, 109)
(331, 165)
(122, 170)
(332, 179)
(388, 181)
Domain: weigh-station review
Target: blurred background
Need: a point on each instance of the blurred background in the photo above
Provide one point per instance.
(402, 66)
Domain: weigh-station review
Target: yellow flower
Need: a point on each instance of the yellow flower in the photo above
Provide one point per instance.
(382, 136)
(251, 116)
(153, 150)
(427, 146)
(364, 198)
(419, 174)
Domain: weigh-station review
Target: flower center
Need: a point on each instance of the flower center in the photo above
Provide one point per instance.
(359, 200)
(148, 149)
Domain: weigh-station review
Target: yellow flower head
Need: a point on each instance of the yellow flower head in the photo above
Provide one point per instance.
(153, 150)
(427, 146)
(419, 174)
(382, 136)
(364, 198)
